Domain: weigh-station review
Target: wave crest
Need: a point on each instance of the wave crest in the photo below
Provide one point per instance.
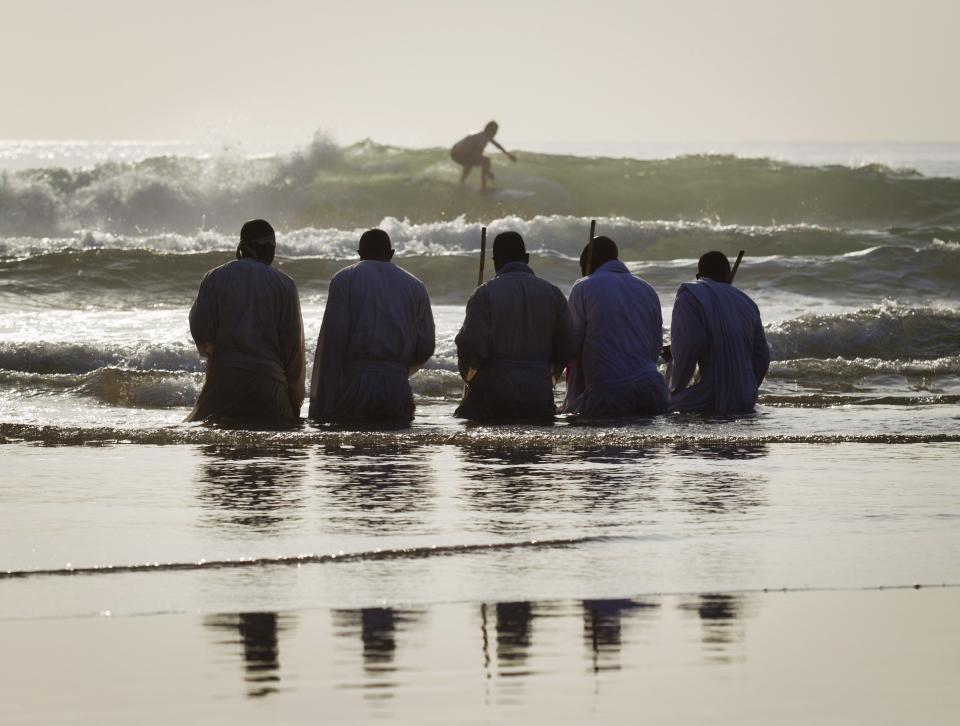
(886, 331)
(324, 185)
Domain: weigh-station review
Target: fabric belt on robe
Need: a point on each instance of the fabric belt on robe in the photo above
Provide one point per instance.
(242, 361)
(361, 366)
(505, 363)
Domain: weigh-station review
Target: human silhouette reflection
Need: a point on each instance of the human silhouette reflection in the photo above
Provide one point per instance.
(258, 636)
(376, 488)
(719, 615)
(602, 629)
(716, 490)
(617, 480)
(256, 488)
(378, 629)
(503, 484)
(514, 635)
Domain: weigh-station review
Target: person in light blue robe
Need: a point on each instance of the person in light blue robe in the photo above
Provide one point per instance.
(716, 328)
(377, 330)
(618, 337)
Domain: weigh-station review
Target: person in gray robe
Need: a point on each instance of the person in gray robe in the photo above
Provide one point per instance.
(717, 328)
(377, 330)
(515, 341)
(246, 322)
(618, 336)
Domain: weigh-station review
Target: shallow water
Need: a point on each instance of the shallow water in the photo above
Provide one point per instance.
(136, 529)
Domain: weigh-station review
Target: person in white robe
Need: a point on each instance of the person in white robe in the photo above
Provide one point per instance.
(515, 340)
(246, 322)
(717, 328)
(377, 330)
(618, 337)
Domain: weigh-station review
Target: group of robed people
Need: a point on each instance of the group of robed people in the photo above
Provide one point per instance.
(520, 336)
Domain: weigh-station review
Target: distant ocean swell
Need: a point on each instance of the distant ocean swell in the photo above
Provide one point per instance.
(147, 272)
(324, 185)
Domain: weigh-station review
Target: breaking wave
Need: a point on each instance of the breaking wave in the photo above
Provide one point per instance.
(58, 358)
(324, 185)
(165, 270)
(885, 331)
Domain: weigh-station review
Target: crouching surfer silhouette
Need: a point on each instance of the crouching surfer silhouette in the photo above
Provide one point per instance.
(468, 153)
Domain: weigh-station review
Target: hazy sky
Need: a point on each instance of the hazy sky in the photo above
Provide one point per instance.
(425, 72)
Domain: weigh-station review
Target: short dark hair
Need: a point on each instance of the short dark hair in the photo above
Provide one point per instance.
(597, 251)
(508, 247)
(492, 127)
(714, 265)
(257, 232)
(375, 245)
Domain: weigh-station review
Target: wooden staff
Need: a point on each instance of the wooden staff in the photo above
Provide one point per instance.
(483, 253)
(736, 266)
(472, 372)
(593, 233)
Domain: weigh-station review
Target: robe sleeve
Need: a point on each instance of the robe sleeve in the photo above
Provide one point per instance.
(331, 349)
(473, 340)
(564, 346)
(688, 339)
(292, 347)
(203, 318)
(578, 317)
(761, 353)
(426, 334)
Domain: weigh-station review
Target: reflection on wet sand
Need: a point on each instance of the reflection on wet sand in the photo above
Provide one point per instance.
(510, 489)
(501, 486)
(719, 617)
(668, 659)
(381, 489)
(504, 480)
(514, 632)
(720, 490)
(378, 629)
(617, 479)
(603, 629)
(251, 487)
(258, 638)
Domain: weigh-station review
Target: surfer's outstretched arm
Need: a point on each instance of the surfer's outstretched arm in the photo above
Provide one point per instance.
(509, 155)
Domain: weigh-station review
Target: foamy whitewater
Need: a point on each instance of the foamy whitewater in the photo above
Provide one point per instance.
(843, 478)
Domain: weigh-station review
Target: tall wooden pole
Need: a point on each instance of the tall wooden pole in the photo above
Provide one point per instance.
(593, 233)
(483, 253)
(736, 266)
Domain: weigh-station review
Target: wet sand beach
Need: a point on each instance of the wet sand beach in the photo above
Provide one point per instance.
(442, 583)
(847, 657)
